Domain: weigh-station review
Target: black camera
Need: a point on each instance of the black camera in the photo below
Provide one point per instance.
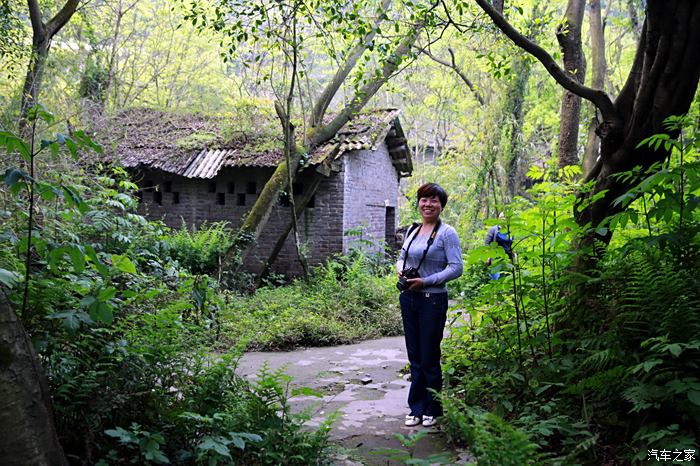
(410, 272)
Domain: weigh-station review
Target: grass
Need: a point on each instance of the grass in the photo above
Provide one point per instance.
(331, 309)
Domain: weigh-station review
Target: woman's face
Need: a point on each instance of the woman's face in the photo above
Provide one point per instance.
(429, 208)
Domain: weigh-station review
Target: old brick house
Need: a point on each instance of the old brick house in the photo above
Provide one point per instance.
(196, 169)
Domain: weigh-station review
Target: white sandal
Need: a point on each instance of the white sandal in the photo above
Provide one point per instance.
(429, 421)
(412, 420)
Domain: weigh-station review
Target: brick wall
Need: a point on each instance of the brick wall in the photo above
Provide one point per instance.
(371, 186)
(197, 201)
(320, 228)
(361, 194)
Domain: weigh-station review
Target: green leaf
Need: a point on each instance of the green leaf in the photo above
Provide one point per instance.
(215, 444)
(88, 301)
(123, 263)
(71, 320)
(675, 349)
(694, 397)
(72, 148)
(107, 293)
(123, 435)
(238, 442)
(13, 143)
(101, 312)
(9, 278)
(39, 111)
(13, 175)
(77, 259)
(74, 199)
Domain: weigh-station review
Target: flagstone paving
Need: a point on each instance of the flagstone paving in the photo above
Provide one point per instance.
(366, 384)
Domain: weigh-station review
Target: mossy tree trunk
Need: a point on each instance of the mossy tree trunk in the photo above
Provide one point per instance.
(256, 219)
(569, 37)
(28, 432)
(598, 67)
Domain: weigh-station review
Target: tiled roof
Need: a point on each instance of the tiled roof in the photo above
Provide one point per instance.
(195, 146)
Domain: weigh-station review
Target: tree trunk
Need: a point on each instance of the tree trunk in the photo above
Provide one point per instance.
(42, 34)
(29, 436)
(299, 209)
(256, 219)
(590, 154)
(32, 82)
(513, 112)
(662, 82)
(569, 37)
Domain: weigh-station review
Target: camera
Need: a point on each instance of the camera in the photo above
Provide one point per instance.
(410, 272)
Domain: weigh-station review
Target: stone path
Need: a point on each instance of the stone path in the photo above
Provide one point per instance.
(365, 383)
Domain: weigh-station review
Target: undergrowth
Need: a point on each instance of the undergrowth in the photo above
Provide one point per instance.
(601, 368)
(341, 303)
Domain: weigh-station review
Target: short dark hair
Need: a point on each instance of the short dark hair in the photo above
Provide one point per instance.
(430, 190)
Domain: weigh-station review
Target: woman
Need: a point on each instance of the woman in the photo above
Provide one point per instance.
(431, 253)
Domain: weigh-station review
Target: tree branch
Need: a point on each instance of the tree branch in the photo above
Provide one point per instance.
(61, 18)
(321, 134)
(597, 97)
(35, 15)
(350, 61)
(453, 65)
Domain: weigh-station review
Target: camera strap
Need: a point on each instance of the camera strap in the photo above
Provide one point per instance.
(425, 252)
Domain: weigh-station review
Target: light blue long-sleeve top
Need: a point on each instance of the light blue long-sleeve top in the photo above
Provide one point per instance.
(443, 262)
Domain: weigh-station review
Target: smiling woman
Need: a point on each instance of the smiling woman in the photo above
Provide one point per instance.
(430, 257)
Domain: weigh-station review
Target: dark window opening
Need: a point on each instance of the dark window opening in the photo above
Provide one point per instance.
(284, 199)
(158, 197)
(176, 198)
(212, 187)
(221, 198)
(298, 188)
(148, 184)
(390, 227)
(251, 188)
(231, 188)
(168, 186)
(312, 202)
(241, 199)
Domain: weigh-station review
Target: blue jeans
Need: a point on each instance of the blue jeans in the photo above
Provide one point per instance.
(424, 316)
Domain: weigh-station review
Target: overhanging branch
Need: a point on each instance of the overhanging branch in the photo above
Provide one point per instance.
(597, 97)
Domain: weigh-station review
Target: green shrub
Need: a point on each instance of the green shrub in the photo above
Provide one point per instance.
(491, 439)
(200, 250)
(342, 303)
(124, 333)
(599, 367)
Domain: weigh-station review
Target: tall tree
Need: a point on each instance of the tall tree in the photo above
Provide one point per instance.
(569, 37)
(29, 435)
(362, 34)
(662, 82)
(42, 35)
(598, 67)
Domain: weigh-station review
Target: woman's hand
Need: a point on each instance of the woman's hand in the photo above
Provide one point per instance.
(415, 283)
